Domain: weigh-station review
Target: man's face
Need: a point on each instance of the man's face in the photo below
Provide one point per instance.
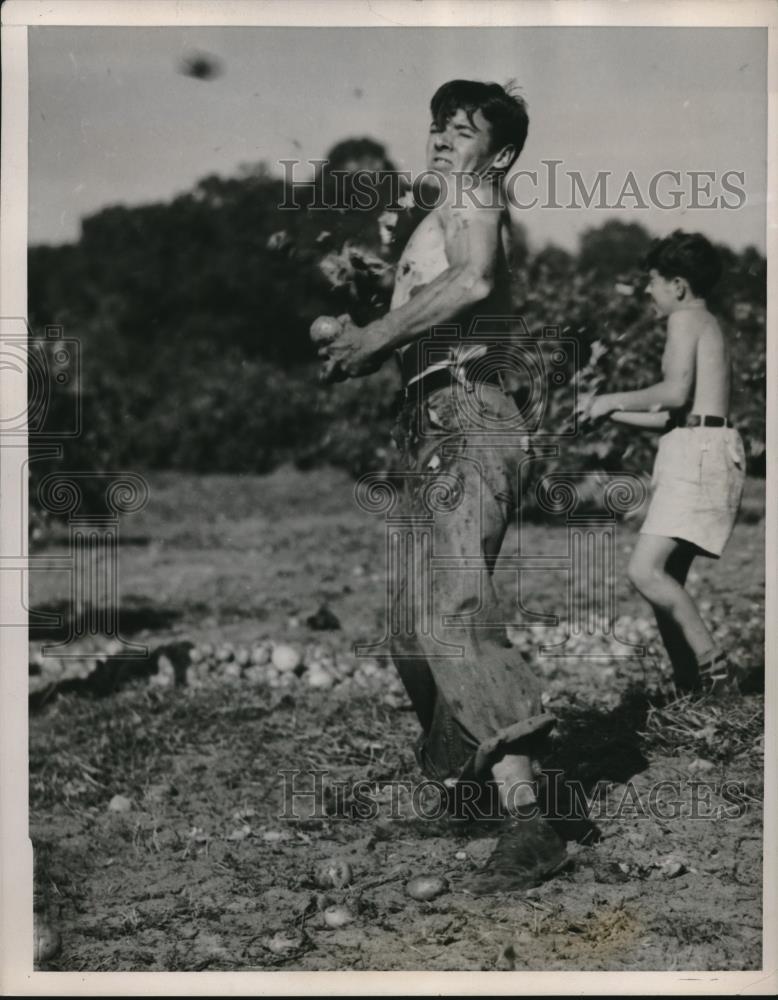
(463, 144)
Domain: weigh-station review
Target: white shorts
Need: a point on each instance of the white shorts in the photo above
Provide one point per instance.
(697, 484)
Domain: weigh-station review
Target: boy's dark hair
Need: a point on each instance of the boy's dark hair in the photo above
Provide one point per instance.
(506, 112)
(686, 255)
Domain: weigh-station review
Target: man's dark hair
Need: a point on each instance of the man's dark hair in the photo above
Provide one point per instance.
(506, 112)
(686, 255)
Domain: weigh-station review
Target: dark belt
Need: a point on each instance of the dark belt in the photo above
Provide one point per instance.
(701, 420)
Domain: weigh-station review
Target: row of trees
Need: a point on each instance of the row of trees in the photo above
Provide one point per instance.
(193, 315)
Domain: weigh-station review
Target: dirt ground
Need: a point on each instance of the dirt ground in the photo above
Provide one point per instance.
(159, 813)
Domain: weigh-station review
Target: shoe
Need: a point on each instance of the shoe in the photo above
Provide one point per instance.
(718, 677)
(528, 851)
(565, 813)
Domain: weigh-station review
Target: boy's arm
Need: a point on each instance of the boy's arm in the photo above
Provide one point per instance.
(472, 243)
(678, 365)
(654, 420)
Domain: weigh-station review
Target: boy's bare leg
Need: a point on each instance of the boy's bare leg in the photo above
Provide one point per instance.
(681, 655)
(658, 570)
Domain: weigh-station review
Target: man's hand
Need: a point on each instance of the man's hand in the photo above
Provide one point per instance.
(347, 351)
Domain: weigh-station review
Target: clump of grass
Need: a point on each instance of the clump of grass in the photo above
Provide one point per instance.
(715, 730)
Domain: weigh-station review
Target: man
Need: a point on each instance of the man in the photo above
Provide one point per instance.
(459, 434)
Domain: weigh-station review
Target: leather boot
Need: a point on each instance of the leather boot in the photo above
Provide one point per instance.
(528, 851)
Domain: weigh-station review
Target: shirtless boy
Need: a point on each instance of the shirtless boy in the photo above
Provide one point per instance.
(700, 464)
(476, 699)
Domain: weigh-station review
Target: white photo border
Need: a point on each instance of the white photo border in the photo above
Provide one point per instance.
(16, 970)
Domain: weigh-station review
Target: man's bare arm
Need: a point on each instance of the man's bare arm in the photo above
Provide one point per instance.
(472, 235)
(472, 244)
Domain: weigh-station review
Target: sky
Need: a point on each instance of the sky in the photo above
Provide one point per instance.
(113, 121)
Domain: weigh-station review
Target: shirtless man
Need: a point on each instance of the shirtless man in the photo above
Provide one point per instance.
(476, 699)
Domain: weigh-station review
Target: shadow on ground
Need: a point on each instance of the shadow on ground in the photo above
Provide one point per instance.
(57, 620)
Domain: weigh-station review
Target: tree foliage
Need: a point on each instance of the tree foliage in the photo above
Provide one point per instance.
(193, 317)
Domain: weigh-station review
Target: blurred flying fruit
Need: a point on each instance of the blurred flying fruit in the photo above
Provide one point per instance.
(200, 66)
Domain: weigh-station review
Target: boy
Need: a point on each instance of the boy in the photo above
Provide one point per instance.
(476, 698)
(699, 470)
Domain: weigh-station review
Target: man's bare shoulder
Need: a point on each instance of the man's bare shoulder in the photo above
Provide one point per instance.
(431, 225)
(471, 223)
(480, 203)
